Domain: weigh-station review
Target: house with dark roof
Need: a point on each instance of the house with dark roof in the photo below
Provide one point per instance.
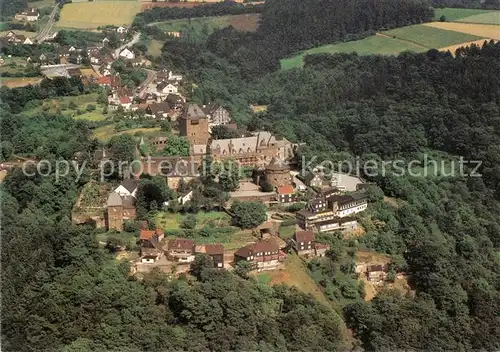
(217, 114)
(127, 188)
(181, 250)
(261, 255)
(158, 110)
(31, 14)
(166, 88)
(215, 251)
(303, 242)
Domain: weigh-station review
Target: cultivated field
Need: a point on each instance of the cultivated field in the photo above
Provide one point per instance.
(452, 14)
(429, 37)
(418, 38)
(245, 22)
(479, 30)
(90, 15)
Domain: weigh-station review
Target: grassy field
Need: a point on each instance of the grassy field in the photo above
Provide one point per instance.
(457, 14)
(154, 47)
(416, 38)
(367, 46)
(219, 223)
(42, 3)
(429, 37)
(16, 82)
(94, 14)
(485, 18)
(246, 22)
(62, 105)
(104, 133)
(481, 31)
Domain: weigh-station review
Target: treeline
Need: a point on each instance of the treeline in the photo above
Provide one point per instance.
(9, 8)
(293, 25)
(159, 14)
(467, 4)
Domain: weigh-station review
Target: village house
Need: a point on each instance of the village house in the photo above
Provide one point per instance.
(122, 30)
(150, 245)
(376, 273)
(285, 194)
(261, 255)
(74, 72)
(215, 251)
(181, 250)
(103, 81)
(31, 15)
(13, 38)
(217, 115)
(315, 180)
(320, 249)
(165, 88)
(175, 101)
(174, 77)
(330, 211)
(174, 34)
(185, 171)
(303, 243)
(105, 41)
(127, 54)
(158, 110)
(127, 188)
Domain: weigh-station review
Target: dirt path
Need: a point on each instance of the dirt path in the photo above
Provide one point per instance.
(401, 40)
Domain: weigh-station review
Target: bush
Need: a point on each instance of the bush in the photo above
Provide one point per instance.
(296, 207)
(90, 107)
(189, 222)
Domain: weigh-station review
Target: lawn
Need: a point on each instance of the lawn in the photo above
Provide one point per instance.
(367, 46)
(430, 37)
(218, 224)
(154, 47)
(485, 18)
(95, 14)
(42, 3)
(19, 32)
(104, 133)
(13, 65)
(61, 105)
(457, 14)
(287, 231)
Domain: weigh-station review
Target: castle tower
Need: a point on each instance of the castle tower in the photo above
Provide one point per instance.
(115, 212)
(194, 125)
(277, 173)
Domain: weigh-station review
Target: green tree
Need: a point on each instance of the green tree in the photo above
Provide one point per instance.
(248, 214)
(201, 263)
(189, 222)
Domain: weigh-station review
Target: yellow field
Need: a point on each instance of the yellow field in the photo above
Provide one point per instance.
(17, 82)
(453, 48)
(481, 30)
(94, 14)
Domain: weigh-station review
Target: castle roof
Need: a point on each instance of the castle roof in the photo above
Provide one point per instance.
(193, 112)
(276, 164)
(114, 200)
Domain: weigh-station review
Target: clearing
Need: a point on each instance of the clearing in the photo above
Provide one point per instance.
(88, 15)
(295, 274)
(104, 133)
(16, 82)
(244, 22)
(479, 30)
(154, 47)
(219, 224)
(452, 14)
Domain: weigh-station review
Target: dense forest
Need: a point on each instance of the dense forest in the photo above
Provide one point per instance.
(9, 8)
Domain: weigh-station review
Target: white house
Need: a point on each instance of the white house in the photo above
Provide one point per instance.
(166, 88)
(173, 77)
(122, 30)
(127, 54)
(28, 41)
(127, 188)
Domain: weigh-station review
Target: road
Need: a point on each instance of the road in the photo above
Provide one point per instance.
(134, 40)
(144, 85)
(48, 27)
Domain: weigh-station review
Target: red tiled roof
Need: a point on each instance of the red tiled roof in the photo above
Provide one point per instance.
(146, 234)
(214, 248)
(321, 246)
(104, 80)
(285, 190)
(304, 236)
(124, 100)
(181, 243)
